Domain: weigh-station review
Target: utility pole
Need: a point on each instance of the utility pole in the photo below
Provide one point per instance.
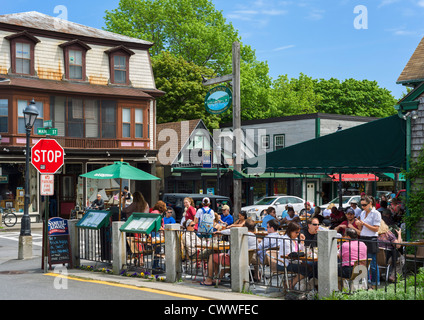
(237, 133)
(237, 183)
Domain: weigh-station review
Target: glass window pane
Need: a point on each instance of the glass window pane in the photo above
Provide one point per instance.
(75, 119)
(91, 118)
(22, 66)
(126, 115)
(75, 72)
(138, 115)
(57, 114)
(120, 76)
(22, 104)
(23, 50)
(75, 57)
(120, 62)
(126, 130)
(108, 119)
(138, 130)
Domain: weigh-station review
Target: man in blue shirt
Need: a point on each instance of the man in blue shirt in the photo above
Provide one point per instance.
(226, 217)
(271, 214)
(168, 217)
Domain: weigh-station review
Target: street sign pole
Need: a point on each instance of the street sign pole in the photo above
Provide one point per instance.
(237, 183)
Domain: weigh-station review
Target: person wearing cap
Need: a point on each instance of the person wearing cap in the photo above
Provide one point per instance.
(284, 214)
(350, 222)
(354, 206)
(205, 210)
(226, 217)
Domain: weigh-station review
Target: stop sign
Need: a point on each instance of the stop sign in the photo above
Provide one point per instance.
(47, 156)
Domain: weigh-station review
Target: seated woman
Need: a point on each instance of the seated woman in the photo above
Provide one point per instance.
(292, 242)
(241, 220)
(350, 252)
(194, 246)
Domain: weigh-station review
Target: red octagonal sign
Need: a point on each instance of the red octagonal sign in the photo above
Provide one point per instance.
(47, 156)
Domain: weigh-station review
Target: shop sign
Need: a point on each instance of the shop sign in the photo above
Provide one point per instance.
(218, 100)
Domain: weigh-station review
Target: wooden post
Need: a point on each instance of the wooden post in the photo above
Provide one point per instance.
(237, 183)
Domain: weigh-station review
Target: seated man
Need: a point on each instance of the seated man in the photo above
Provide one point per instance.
(98, 204)
(270, 241)
(226, 217)
(311, 232)
(271, 215)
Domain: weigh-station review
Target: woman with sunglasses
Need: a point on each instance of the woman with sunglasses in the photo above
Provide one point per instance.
(369, 223)
(191, 242)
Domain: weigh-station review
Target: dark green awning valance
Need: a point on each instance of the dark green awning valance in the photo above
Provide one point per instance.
(377, 146)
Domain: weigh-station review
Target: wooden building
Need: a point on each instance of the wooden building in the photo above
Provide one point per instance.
(98, 89)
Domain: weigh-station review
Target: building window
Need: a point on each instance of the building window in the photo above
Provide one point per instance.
(119, 60)
(4, 115)
(120, 69)
(84, 117)
(265, 142)
(23, 58)
(126, 123)
(279, 141)
(39, 123)
(74, 53)
(139, 123)
(75, 64)
(22, 47)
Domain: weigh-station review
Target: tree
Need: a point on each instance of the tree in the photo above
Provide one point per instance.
(185, 94)
(192, 29)
(354, 97)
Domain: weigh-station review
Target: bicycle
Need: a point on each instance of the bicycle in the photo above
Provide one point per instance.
(9, 218)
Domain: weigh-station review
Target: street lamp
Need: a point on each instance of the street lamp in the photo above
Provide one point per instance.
(30, 115)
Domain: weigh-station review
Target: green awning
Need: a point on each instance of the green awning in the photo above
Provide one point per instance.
(377, 146)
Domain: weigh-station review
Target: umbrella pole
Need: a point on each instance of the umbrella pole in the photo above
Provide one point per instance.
(120, 198)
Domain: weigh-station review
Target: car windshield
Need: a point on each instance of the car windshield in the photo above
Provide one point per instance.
(265, 201)
(345, 200)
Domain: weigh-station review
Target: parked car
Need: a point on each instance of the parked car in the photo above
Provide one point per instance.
(258, 210)
(176, 201)
(346, 200)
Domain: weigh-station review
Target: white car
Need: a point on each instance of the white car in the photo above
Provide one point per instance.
(258, 210)
(345, 202)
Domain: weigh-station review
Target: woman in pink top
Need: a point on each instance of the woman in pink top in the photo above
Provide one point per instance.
(351, 251)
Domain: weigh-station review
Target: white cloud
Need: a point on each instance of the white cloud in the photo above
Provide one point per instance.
(420, 3)
(284, 47)
(387, 3)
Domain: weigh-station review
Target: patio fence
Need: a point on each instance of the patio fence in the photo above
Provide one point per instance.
(254, 262)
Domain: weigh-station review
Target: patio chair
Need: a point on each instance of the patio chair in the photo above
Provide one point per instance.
(382, 264)
(273, 272)
(354, 283)
(418, 256)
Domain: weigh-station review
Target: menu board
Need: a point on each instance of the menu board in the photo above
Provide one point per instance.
(94, 219)
(58, 246)
(142, 223)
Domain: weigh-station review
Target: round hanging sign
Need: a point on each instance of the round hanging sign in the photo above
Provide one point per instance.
(218, 100)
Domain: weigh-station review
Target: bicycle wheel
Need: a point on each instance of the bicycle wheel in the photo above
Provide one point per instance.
(10, 219)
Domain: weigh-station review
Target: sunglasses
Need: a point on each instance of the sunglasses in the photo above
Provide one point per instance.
(192, 225)
(315, 224)
(364, 205)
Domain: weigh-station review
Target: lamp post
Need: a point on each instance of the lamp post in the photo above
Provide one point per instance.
(25, 244)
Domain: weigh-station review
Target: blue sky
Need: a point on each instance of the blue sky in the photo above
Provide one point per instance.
(315, 37)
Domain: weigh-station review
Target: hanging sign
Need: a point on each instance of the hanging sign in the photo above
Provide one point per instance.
(218, 100)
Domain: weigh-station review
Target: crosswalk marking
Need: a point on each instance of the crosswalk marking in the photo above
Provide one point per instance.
(37, 238)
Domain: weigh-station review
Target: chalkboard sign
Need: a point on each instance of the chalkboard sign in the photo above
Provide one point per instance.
(59, 249)
(94, 219)
(142, 223)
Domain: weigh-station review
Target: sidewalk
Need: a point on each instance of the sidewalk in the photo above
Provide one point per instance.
(185, 287)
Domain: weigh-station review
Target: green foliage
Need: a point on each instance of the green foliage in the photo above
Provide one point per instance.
(185, 94)
(195, 39)
(354, 97)
(415, 201)
(411, 288)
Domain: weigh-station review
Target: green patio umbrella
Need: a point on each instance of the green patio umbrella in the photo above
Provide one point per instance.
(119, 170)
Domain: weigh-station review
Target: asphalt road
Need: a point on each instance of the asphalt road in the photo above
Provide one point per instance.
(25, 280)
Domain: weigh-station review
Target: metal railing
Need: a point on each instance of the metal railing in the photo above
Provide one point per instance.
(146, 253)
(95, 245)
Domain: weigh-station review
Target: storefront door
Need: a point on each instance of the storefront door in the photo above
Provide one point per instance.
(67, 194)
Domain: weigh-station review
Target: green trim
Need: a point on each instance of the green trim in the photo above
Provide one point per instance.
(317, 127)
